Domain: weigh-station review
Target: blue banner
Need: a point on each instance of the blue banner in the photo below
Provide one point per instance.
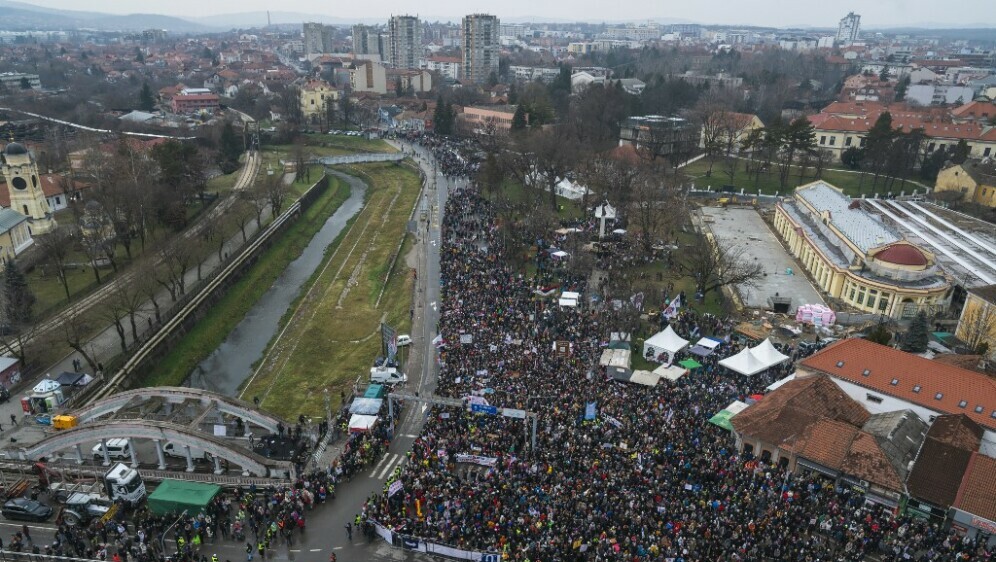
(589, 411)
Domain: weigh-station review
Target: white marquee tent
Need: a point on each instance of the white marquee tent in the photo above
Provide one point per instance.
(666, 340)
(753, 360)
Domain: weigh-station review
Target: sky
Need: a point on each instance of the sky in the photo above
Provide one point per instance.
(776, 13)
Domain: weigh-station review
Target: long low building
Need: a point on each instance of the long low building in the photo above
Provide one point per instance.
(856, 258)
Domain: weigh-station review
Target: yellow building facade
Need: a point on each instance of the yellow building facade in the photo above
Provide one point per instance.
(974, 180)
(977, 323)
(314, 95)
(853, 257)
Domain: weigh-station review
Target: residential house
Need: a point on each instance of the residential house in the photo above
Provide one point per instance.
(410, 80)
(368, 76)
(884, 379)
(982, 111)
(974, 179)
(479, 118)
(15, 236)
(194, 103)
(447, 67)
(856, 258)
(938, 469)
(315, 94)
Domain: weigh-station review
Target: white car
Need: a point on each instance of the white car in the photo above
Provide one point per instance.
(404, 339)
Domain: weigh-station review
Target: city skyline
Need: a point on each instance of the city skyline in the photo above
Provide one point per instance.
(767, 13)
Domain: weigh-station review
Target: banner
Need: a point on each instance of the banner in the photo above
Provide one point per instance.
(672, 309)
(476, 459)
(394, 488)
(589, 411)
(390, 338)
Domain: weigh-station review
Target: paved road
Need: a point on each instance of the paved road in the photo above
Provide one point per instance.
(326, 532)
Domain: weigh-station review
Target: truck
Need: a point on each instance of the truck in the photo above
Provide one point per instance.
(124, 483)
(120, 483)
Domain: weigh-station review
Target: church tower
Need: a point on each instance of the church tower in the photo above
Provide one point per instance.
(24, 185)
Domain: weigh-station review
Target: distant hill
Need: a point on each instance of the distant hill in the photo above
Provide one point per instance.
(258, 19)
(23, 16)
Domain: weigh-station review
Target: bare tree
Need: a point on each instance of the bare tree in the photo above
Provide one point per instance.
(655, 208)
(74, 330)
(129, 298)
(276, 192)
(174, 261)
(977, 327)
(714, 266)
(56, 247)
(241, 212)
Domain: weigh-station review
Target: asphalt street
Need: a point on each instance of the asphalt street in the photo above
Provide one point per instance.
(326, 525)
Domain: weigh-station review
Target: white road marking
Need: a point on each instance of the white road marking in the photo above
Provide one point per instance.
(386, 469)
(425, 407)
(382, 459)
(338, 548)
(315, 550)
(410, 435)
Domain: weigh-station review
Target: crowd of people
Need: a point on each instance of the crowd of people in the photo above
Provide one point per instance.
(453, 159)
(618, 471)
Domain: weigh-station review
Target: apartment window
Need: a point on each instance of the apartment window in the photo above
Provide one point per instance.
(823, 139)
(894, 382)
(840, 364)
(862, 142)
(865, 373)
(978, 409)
(987, 151)
(938, 396)
(874, 399)
(833, 141)
(916, 389)
(993, 415)
(847, 141)
(963, 403)
(930, 147)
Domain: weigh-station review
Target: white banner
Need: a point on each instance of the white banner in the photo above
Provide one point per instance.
(394, 488)
(513, 413)
(476, 459)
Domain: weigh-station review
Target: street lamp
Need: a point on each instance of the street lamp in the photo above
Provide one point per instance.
(162, 539)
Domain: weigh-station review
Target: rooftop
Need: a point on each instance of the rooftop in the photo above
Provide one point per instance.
(861, 228)
(937, 472)
(930, 384)
(9, 219)
(977, 493)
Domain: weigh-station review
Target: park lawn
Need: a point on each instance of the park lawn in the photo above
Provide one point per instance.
(333, 336)
(350, 145)
(515, 192)
(303, 181)
(223, 183)
(222, 318)
(854, 184)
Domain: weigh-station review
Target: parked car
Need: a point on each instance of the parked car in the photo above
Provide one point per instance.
(404, 339)
(24, 509)
(178, 451)
(116, 449)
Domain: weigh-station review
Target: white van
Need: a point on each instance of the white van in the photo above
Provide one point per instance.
(387, 375)
(404, 339)
(171, 449)
(116, 449)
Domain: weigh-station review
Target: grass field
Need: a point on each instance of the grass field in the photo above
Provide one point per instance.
(332, 336)
(346, 144)
(515, 192)
(222, 318)
(853, 184)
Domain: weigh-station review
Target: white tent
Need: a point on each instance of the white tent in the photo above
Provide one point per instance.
(360, 422)
(616, 358)
(766, 352)
(569, 298)
(709, 343)
(753, 360)
(645, 378)
(745, 363)
(605, 211)
(671, 372)
(666, 340)
(778, 384)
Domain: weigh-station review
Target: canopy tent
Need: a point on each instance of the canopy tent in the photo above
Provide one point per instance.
(700, 351)
(666, 340)
(646, 378)
(711, 343)
(766, 352)
(753, 360)
(366, 406)
(558, 254)
(670, 372)
(176, 496)
(616, 358)
(619, 373)
(69, 379)
(605, 211)
(690, 364)
(569, 298)
(722, 417)
(360, 422)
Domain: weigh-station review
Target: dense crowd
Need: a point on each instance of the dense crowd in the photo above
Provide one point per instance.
(644, 478)
(455, 159)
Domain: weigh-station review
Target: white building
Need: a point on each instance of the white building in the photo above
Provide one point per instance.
(849, 28)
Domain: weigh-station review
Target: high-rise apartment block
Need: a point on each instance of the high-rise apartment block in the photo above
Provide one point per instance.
(850, 26)
(480, 47)
(317, 38)
(368, 40)
(404, 41)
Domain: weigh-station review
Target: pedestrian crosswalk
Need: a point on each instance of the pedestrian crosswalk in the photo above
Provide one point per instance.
(386, 466)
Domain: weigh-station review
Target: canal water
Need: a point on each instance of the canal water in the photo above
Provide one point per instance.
(230, 364)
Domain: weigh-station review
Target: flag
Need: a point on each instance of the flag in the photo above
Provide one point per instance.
(589, 411)
(672, 309)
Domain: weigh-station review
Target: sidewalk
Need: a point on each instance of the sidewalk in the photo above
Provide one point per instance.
(107, 344)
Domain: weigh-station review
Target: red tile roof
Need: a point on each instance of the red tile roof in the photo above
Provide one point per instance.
(940, 464)
(977, 494)
(933, 385)
(975, 110)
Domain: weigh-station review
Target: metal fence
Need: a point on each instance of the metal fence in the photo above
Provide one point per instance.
(416, 544)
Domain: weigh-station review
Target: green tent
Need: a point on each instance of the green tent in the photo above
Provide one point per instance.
(690, 364)
(176, 496)
(722, 419)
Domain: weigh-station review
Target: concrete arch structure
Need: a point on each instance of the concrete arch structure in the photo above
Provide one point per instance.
(251, 463)
(176, 395)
